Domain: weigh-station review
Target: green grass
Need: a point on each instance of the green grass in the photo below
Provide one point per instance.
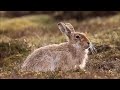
(20, 36)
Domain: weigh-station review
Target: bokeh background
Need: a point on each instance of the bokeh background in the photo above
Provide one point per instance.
(21, 32)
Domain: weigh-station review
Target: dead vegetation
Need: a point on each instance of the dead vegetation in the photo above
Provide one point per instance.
(20, 36)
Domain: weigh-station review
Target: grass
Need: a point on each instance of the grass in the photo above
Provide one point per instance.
(20, 36)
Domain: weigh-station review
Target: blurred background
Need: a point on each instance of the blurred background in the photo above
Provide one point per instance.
(21, 32)
(78, 15)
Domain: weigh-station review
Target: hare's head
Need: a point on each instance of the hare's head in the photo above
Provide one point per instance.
(75, 38)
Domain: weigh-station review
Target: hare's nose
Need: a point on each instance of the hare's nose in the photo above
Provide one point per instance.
(88, 43)
(59, 23)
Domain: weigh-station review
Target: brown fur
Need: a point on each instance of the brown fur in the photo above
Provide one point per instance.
(64, 56)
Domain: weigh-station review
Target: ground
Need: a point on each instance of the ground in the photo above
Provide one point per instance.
(20, 36)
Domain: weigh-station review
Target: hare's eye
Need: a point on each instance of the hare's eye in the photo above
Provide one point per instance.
(77, 36)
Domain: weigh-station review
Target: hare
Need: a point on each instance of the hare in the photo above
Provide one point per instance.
(65, 56)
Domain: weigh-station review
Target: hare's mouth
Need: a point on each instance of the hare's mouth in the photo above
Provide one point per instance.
(87, 47)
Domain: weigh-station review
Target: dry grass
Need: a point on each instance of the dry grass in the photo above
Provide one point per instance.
(20, 36)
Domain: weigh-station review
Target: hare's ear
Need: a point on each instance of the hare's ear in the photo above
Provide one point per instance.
(64, 28)
(69, 26)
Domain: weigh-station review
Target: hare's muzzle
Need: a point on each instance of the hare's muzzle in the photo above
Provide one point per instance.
(86, 45)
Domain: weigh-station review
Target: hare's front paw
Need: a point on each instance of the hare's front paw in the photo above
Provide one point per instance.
(82, 67)
(76, 67)
(79, 67)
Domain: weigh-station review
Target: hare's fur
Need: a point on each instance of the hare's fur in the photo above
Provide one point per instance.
(65, 56)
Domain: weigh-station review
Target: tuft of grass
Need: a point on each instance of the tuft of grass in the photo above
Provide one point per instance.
(109, 37)
(12, 47)
(27, 25)
(23, 22)
(12, 53)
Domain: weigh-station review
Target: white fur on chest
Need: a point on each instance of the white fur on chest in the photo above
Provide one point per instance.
(84, 61)
(77, 46)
